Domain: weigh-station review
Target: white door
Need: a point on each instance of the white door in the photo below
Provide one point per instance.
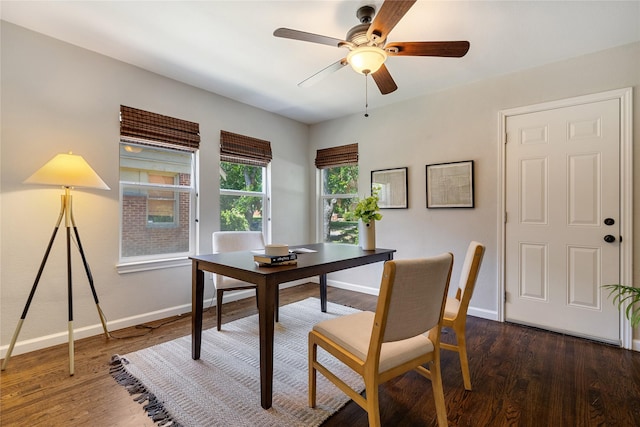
(563, 219)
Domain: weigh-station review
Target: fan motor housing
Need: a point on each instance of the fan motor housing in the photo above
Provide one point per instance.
(358, 34)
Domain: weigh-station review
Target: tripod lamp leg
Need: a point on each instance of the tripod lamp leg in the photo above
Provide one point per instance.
(90, 278)
(34, 287)
(103, 321)
(13, 343)
(65, 208)
(71, 360)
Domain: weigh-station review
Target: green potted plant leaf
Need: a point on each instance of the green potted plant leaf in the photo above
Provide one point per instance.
(630, 295)
(367, 212)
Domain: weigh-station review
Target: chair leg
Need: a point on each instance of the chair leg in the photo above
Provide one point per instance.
(438, 393)
(313, 354)
(219, 307)
(464, 362)
(373, 406)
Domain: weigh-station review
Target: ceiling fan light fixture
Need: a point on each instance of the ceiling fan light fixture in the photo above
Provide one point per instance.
(366, 59)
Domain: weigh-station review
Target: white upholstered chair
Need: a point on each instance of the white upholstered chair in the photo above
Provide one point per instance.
(455, 312)
(402, 335)
(232, 241)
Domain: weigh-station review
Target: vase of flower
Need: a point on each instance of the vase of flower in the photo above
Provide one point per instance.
(366, 212)
(367, 234)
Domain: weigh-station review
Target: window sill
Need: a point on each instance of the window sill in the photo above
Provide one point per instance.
(136, 266)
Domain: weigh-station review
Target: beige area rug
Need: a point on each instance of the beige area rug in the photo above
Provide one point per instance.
(222, 388)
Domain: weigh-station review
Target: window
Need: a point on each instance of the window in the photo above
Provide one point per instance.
(162, 206)
(157, 188)
(156, 200)
(244, 189)
(242, 197)
(338, 171)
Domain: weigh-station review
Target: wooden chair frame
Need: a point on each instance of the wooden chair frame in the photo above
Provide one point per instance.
(368, 368)
(459, 322)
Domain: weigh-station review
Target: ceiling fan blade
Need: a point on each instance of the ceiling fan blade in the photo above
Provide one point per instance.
(390, 13)
(384, 80)
(309, 81)
(288, 33)
(453, 49)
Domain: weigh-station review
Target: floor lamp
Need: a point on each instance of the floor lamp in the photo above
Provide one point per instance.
(68, 171)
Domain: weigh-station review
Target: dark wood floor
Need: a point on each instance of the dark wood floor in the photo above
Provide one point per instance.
(521, 377)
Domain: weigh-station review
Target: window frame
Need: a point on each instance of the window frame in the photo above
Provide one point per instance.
(265, 195)
(131, 264)
(329, 158)
(322, 197)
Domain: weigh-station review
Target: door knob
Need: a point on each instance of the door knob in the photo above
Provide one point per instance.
(609, 238)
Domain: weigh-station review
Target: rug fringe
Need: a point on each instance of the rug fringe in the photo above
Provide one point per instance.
(154, 408)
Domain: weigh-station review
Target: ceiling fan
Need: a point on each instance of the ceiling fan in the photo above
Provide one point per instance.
(367, 44)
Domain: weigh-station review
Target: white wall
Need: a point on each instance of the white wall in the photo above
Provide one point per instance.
(58, 98)
(462, 124)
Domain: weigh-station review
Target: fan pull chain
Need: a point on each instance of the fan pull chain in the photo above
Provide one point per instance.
(366, 95)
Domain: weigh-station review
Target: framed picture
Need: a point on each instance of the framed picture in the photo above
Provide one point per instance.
(450, 185)
(391, 186)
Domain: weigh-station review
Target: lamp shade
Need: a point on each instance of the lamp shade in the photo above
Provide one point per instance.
(67, 170)
(366, 59)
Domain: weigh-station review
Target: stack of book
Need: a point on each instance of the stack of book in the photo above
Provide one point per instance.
(264, 260)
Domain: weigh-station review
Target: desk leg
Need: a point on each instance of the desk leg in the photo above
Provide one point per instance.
(266, 295)
(197, 299)
(323, 293)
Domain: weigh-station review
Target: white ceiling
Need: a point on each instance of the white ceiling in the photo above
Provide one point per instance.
(227, 47)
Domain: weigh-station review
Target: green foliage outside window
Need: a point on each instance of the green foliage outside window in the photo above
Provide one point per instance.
(233, 220)
(340, 181)
(241, 212)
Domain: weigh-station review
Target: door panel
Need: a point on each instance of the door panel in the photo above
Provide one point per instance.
(533, 191)
(562, 181)
(533, 267)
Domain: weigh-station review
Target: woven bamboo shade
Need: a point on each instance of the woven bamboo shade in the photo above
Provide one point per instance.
(344, 155)
(146, 128)
(237, 148)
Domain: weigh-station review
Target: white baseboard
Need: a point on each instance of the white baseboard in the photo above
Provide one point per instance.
(482, 313)
(472, 311)
(476, 312)
(39, 343)
(351, 287)
(26, 346)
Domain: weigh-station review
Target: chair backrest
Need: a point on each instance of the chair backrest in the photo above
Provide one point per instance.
(412, 296)
(469, 274)
(231, 241)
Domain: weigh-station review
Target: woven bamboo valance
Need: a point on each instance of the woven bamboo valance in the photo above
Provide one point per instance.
(146, 128)
(242, 149)
(344, 155)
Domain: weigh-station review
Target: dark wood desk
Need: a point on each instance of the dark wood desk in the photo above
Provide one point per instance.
(240, 265)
